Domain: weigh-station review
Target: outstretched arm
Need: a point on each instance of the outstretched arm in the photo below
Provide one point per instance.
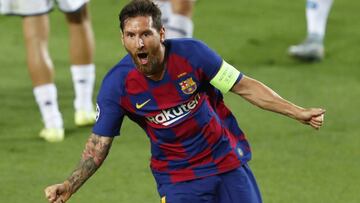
(262, 96)
(95, 152)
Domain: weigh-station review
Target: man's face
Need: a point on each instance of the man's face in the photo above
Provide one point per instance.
(144, 44)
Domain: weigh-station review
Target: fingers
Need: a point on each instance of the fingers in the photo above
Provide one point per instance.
(59, 200)
(313, 117)
(318, 112)
(317, 121)
(52, 194)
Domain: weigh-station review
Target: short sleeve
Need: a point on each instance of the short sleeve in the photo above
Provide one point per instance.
(109, 113)
(216, 71)
(205, 59)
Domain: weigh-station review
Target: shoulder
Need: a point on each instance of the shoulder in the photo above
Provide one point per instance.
(194, 51)
(114, 80)
(120, 70)
(184, 45)
(190, 49)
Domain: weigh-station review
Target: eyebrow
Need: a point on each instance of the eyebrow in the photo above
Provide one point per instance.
(142, 32)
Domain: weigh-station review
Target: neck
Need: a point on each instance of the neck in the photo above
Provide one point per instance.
(160, 74)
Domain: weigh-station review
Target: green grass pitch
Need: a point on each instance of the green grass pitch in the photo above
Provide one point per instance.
(292, 162)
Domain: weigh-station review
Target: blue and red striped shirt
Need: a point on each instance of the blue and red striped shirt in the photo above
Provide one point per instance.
(191, 131)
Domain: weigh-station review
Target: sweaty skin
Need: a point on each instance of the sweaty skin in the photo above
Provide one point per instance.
(262, 96)
(145, 45)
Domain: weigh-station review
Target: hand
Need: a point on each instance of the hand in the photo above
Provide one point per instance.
(313, 117)
(58, 193)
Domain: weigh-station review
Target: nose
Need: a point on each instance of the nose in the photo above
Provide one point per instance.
(140, 42)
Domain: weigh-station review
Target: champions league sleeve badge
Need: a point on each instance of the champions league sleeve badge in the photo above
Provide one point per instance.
(97, 112)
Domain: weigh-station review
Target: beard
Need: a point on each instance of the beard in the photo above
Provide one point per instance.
(152, 63)
(152, 67)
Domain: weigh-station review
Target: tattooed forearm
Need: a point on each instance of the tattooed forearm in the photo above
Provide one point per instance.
(94, 154)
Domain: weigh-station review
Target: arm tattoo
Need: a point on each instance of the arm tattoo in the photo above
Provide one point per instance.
(95, 152)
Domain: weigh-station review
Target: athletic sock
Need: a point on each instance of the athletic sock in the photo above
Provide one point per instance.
(179, 26)
(83, 77)
(317, 12)
(46, 98)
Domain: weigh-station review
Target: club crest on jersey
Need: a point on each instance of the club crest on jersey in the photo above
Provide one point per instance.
(188, 86)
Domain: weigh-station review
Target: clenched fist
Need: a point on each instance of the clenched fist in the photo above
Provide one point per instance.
(58, 193)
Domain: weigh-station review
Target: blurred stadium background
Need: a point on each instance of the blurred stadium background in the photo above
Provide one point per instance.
(292, 162)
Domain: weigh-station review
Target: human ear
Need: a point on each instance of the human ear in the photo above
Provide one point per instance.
(162, 34)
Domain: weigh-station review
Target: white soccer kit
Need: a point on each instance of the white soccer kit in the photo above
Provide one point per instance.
(36, 7)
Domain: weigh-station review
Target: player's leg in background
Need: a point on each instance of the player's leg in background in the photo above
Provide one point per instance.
(317, 12)
(166, 10)
(82, 68)
(177, 17)
(180, 23)
(40, 66)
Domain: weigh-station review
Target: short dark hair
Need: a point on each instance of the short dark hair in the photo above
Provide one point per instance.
(141, 8)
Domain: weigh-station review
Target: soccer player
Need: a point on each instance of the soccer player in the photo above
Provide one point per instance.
(173, 90)
(177, 17)
(312, 49)
(36, 32)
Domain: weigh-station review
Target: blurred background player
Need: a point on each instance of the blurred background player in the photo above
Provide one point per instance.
(36, 33)
(177, 17)
(312, 49)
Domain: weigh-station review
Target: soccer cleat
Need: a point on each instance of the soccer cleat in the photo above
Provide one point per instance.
(52, 134)
(311, 49)
(84, 118)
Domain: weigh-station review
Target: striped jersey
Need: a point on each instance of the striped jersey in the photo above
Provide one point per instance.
(191, 131)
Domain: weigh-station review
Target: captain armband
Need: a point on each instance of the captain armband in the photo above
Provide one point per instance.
(225, 77)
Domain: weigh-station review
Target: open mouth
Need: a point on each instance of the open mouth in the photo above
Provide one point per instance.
(143, 57)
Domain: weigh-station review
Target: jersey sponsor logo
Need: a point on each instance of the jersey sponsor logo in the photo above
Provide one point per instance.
(188, 86)
(97, 112)
(169, 116)
(139, 106)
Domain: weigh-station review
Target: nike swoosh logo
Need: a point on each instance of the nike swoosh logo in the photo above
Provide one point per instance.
(139, 106)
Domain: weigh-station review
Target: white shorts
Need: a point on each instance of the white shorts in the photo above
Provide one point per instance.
(36, 7)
